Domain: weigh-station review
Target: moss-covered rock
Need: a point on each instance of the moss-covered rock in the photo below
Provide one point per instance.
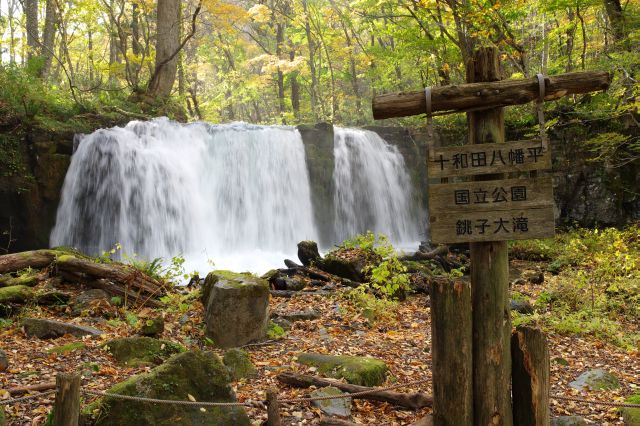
(15, 294)
(631, 416)
(3, 418)
(356, 370)
(308, 252)
(29, 278)
(69, 347)
(236, 308)
(151, 327)
(137, 351)
(597, 379)
(200, 375)
(239, 364)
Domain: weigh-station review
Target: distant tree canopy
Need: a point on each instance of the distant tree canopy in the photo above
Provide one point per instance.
(289, 61)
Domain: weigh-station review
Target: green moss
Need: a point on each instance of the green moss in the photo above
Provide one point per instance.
(28, 278)
(362, 371)
(631, 416)
(239, 364)
(15, 294)
(137, 351)
(198, 374)
(69, 347)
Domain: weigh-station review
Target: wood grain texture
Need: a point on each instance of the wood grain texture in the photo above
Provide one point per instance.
(531, 386)
(489, 158)
(451, 353)
(489, 277)
(448, 227)
(491, 195)
(66, 408)
(493, 94)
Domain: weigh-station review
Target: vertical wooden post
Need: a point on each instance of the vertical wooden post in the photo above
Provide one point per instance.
(489, 276)
(66, 408)
(273, 408)
(530, 355)
(451, 336)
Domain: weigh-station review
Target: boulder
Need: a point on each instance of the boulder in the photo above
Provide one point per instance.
(138, 351)
(183, 377)
(521, 306)
(48, 329)
(356, 370)
(568, 421)
(332, 407)
(597, 379)
(4, 361)
(236, 308)
(631, 416)
(308, 252)
(151, 327)
(285, 282)
(89, 300)
(15, 294)
(239, 364)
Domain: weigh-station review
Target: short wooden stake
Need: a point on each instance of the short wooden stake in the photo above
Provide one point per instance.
(273, 408)
(452, 355)
(530, 388)
(67, 405)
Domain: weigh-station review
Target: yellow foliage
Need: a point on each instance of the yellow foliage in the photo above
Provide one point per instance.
(260, 13)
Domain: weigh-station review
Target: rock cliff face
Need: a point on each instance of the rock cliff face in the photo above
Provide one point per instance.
(34, 161)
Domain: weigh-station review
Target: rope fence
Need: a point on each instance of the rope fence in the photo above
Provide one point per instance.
(264, 404)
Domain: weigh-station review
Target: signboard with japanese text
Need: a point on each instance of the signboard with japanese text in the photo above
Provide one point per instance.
(494, 210)
(468, 160)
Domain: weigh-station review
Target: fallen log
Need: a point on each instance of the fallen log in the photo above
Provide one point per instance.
(35, 259)
(472, 96)
(31, 388)
(287, 294)
(332, 421)
(412, 400)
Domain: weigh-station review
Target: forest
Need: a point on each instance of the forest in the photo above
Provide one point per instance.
(203, 222)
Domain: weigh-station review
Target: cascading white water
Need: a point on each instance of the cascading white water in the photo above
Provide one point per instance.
(237, 194)
(373, 190)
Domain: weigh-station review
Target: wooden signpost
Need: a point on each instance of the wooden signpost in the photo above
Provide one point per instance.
(487, 212)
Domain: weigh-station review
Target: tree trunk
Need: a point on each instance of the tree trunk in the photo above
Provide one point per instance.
(531, 386)
(616, 19)
(451, 337)
(167, 42)
(295, 88)
(312, 64)
(280, 75)
(490, 277)
(48, 36)
(33, 38)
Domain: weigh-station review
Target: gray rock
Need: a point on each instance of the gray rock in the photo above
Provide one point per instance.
(285, 324)
(332, 407)
(89, 299)
(48, 329)
(199, 375)
(291, 264)
(236, 309)
(284, 282)
(522, 307)
(4, 361)
(568, 421)
(138, 351)
(239, 364)
(596, 380)
(356, 370)
(308, 252)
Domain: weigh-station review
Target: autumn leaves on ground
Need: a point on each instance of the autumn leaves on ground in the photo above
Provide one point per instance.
(582, 289)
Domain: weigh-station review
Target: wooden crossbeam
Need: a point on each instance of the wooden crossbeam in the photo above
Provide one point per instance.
(485, 95)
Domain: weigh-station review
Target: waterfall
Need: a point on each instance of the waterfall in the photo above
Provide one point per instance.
(373, 190)
(237, 194)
